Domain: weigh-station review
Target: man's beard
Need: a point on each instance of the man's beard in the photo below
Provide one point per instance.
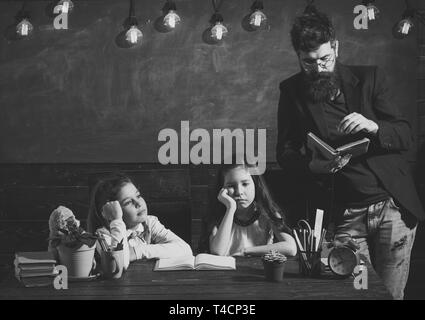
(321, 86)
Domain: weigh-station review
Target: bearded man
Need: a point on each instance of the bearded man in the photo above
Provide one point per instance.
(379, 205)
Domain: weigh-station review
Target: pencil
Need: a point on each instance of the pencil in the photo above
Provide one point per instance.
(311, 242)
(104, 243)
(321, 238)
(100, 241)
(303, 255)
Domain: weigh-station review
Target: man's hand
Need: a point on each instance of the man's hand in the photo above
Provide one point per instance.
(318, 165)
(355, 122)
(112, 211)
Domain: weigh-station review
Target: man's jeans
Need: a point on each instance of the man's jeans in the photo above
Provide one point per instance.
(388, 235)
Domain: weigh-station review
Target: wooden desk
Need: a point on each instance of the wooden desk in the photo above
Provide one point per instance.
(247, 282)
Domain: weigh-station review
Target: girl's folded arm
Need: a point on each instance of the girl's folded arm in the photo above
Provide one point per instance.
(285, 245)
(166, 244)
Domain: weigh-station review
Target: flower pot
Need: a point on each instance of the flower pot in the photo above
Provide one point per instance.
(274, 270)
(79, 262)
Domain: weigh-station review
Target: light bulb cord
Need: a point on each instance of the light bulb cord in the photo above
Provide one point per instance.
(257, 5)
(132, 13)
(23, 13)
(217, 5)
(168, 6)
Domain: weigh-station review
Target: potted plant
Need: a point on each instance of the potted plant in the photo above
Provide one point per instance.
(274, 265)
(72, 246)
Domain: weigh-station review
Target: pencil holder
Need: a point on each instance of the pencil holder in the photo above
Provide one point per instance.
(112, 263)
(310, 263)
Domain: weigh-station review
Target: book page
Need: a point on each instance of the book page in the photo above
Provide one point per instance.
(179, 263)
(206, 261)
(314, 142)
(355, 148)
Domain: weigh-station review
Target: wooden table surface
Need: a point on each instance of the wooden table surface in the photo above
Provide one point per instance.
(247, 283)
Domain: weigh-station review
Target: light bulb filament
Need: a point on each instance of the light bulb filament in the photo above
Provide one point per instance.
(406, 27)
(65, 7)
(24, 29)
(172, 22)
(219, 34)
(134, 35)
(171, 19)
(371, 13)
(257, 20)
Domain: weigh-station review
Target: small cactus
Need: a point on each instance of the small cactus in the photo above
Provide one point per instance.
(274, 256)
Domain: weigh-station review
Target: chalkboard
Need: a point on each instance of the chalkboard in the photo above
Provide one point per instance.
(76, 96)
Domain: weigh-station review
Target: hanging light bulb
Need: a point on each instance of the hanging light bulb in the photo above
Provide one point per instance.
(258, 17)
(67, 6)
(171, 19)
(372, 11)
(24, 28)
(133, 35)
(404, 27)
(219, 30)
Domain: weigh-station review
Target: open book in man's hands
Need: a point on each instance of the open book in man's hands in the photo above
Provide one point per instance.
(202, 261)
(355, 148)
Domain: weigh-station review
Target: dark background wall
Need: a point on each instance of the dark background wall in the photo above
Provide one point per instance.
(75, 105)
(76, 96)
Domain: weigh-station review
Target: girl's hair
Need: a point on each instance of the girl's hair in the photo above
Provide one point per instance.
(263, 199)
(105, 190)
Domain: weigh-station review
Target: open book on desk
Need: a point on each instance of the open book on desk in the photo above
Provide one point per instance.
(202, 261)
(355, 148)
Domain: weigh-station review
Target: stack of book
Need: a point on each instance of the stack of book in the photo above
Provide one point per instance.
(35, 269)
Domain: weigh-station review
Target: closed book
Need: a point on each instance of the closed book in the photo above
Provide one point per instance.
(35, 257)
(202, 261)
(41, 281)
(355, 148)
(35, 273)
(35, 266)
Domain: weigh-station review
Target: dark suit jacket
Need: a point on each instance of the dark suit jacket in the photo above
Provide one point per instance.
(366, 93)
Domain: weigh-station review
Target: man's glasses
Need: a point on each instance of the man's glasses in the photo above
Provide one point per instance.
(324, 62)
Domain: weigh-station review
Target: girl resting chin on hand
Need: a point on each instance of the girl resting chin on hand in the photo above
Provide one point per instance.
(119, 212)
